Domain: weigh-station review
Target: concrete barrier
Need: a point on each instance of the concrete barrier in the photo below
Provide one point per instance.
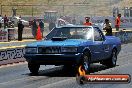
(124, 35)
(10, 55)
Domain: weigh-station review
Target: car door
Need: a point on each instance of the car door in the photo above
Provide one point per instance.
(97, 47)
(106, 47)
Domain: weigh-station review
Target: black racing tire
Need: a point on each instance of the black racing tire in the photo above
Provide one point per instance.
(85, 62)
(111, 62)
(34, 68)
(68, 67)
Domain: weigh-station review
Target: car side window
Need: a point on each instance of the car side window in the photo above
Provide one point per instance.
(97, 35)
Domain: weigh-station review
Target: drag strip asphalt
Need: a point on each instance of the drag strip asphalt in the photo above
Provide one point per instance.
(18, 76)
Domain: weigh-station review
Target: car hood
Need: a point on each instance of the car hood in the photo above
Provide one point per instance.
(67, 42)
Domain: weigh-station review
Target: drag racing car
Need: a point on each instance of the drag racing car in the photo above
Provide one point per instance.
(73, 46)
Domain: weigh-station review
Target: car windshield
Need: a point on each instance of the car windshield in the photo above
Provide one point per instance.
(71, 33)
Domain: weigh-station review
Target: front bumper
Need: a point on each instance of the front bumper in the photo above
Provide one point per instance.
(53, 59)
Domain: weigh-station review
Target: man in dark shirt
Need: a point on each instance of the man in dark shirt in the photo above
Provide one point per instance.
(20, 30)
(5, 21)
(34, 28)
(41, 24)
(107, 27)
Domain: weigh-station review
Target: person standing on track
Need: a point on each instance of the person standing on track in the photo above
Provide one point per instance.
(41, 24)
(0, 21)
(107, 27)
(34, 28)
(20, 30)
(5, 21)
(118, 22)
(87, 23)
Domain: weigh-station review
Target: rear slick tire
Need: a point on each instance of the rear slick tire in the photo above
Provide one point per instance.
(85, 62)
(111, 62)
(113, 59)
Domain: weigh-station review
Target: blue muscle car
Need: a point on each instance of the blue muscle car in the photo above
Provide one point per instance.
(73, 45)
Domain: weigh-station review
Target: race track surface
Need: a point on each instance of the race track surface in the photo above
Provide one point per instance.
(18, 75)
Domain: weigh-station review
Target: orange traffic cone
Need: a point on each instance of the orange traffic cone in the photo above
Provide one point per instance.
(39, 35)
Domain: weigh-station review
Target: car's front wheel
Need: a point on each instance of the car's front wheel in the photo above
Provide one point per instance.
(34, 68)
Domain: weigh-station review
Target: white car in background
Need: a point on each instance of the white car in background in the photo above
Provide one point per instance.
(16, 19)
(1, 20)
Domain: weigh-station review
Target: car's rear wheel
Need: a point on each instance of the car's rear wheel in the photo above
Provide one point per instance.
(34, 68)
(85, 63)
(111, 62)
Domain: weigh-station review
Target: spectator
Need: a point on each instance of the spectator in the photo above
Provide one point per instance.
(107, 27)
(0, 21)
(20, 30)
(0, 24)
(118, 22)
(34, 28)
(88, 23)
(41, 24)
(5, 21)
